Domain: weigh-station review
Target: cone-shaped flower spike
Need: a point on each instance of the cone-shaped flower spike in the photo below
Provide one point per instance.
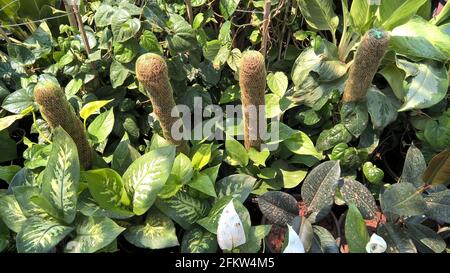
(57, 112)
(252, 81)
(151, 71)
(368, 57)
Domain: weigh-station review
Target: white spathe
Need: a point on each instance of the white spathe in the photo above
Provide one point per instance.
(376, 244)
(295, 245)
(230, 231)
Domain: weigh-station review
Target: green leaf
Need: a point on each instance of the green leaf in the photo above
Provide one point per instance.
(201, 156)
(438, 170)
(183, 37)
(425, 237)
(237, 185)
(355, 116)
(255, 238)
(258, 157)
(353, 192)
(124, 155)
(396, 238)
(123, 26)
(150, 42)
(147, 175)
(211, 222)
(331, 137)
(232, 93)
(10, 213)
(183, 209)
(356, 232)
(395, 13)
(227, 7)
(103, 15)
(126, 51)
(236, 153)
(278, 207)
(118, 74)
(403, 199)
(421, 39)
(300, 143)
(19, 100)
(92, 107)
(8, 147)
(102, 126)
(182, 168)
(359, 12)
(438, 204)
(372, 173)
(278, 83)
(107, 189)
(392, 74)
(199, 240)
(319, 188)
(414, 167)
(4, 236)
(157, 232)
(61, 176)
(40, 235)
(319, 14)
(203, 183)
(73, 86)
(93, 234)
(8, 172)
(382, 108)
(324, 240)
(21, 54)
(437, 133)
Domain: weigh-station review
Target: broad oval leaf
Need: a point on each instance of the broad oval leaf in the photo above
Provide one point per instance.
(438, 205)
(428, 86)
(382, 107)
(254, 239)
(438, 171)
(11, 213)
(237, 185)
(304, 229)
(102, 126)
(403, 199)
(396, 238)
(319, 188)
(147, 175)
(93, 234)
(92, 107)
(236, 153)
(278, 207)
(62, 175)
(331, 137)
(199, 240)
(319, 14)
(294, 244)
(230, 230)
(106, 187)
(183, 209)
(103, 15)
(277, 83)
(123, 26)
(356, 193)
(356, 232)
(414, 167)
(300, 143)
(324, 241)
(426, 239)
(40, 235)
(183, 37)
(157, 232)
(355, 116)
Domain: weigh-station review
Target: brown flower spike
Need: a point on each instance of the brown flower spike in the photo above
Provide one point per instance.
(367, 59)
(151, 71)
(252, 81)
(57, 112)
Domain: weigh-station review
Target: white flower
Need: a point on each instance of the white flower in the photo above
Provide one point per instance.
(230, 231)
(295, 245)
(376, 244)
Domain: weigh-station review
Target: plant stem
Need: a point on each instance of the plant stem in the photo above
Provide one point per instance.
(283, 30)
(3, 33)
(189, 11)
(265, 27)
(72, 19)
(76, 11)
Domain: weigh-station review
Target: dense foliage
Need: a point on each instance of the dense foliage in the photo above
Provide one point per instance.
(356, 91)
